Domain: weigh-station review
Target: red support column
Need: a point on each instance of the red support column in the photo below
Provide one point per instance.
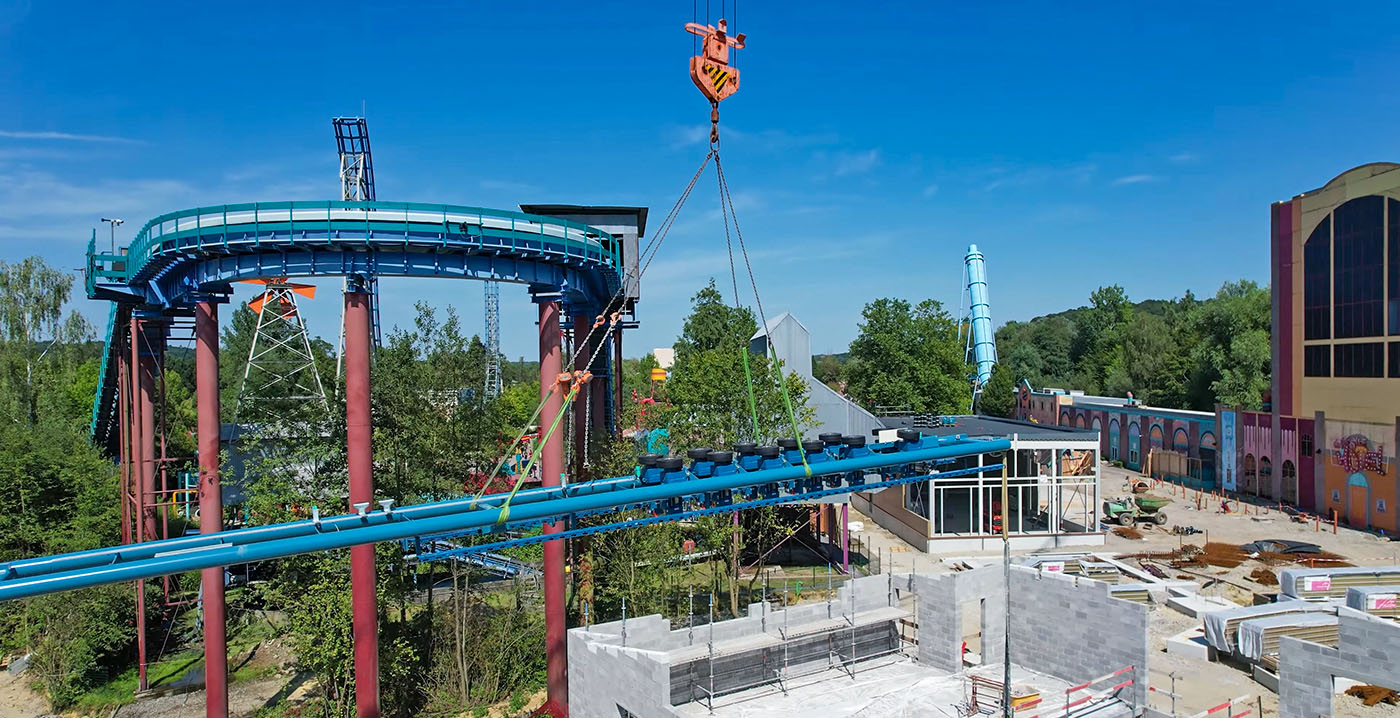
(617, 381)
(580, 407)
(211, 504)
(551, 472)
(359, 457)
(142, 428)
(124, 436)
(599, 389)
(146, 370)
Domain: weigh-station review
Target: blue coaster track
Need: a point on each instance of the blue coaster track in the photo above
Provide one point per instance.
(182, 257)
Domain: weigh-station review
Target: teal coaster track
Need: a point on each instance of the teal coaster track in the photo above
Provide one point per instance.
(183, 257)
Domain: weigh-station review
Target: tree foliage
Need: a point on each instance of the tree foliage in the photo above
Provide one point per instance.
(1183, 353)
(908, 357)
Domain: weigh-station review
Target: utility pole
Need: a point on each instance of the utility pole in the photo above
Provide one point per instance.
(114, 222)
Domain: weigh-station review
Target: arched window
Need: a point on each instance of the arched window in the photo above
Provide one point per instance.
(1317, 282)
(1134, 445)
(1266, 475)
(1079, 421)
(1358, 268)
(1207, 440)
(1289, 474)
(1180, 442)
(1250, 473)
(1154, 436)
(1113, 437)
(1064, 418)
(1098, 424)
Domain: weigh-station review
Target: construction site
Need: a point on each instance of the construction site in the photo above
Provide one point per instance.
(386, 516)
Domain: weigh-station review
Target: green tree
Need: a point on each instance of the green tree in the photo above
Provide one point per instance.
(999, 395)
(828, 370)
(710, 398)
(1231, 363)
(909, 357)
(1097, 349)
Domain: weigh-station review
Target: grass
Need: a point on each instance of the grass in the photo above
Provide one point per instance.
(121, 690)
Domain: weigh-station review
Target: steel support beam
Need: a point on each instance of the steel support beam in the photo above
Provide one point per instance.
(617, 381)
(551, 472)
(359, 456)
(580, 407)
(211, 504)
(143, 426)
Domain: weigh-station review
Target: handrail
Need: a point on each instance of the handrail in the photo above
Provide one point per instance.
(102, 368)
(155, 231)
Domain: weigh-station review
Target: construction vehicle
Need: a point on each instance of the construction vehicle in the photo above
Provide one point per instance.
(1128, 510)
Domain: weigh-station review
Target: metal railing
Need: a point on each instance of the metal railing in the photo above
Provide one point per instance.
(572, 238)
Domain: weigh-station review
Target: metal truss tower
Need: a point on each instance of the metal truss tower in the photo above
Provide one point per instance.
(281, 376)
(493, 339)
(356, 185)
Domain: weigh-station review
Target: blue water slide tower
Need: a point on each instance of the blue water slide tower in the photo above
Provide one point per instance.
(981, 340)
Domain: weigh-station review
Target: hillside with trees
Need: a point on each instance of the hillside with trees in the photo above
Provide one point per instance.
(1184, 353)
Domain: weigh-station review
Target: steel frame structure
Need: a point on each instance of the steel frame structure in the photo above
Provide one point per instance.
(180, 266)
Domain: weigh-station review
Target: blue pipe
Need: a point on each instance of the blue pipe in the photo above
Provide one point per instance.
(160, 558)
(981, 336)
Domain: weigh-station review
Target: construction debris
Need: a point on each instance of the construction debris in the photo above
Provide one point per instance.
(1264, 576)
(1128, 533)
(1372, 695)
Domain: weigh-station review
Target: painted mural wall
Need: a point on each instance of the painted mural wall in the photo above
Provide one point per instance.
(1359, 481)
(1227, 450)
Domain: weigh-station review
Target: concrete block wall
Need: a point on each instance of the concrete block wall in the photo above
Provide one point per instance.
(604, 673)
(1075, 630)
(1368, 649)
(604, 676)
(940, 615)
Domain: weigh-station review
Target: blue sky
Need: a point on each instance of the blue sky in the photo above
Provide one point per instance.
(1077, 144)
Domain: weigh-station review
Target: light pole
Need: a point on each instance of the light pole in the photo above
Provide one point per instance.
(114, 222)
(1006, 568)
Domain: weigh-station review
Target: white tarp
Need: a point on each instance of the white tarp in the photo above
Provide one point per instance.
(1251, 634)
(1320, 579)
(1372, 598)
(1215, 621)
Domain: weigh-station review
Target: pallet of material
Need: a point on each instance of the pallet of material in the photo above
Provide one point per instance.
(1259, 637)
(1136, 593)
(1376, 600)
(1222, 627)
(1318, 584)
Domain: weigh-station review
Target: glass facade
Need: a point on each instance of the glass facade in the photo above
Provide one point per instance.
(1358, 265)
(1317, 283)
(1317, 360)
(1393, 212)
(1359, 360)
(1350, 291)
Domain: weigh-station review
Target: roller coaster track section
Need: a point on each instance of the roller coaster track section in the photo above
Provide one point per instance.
(181, 257)
(715, 482)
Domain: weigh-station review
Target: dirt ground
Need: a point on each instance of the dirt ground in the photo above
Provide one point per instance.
(1199, 684)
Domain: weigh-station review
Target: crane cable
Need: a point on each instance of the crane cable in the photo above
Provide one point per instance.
(649, 252)
(727, 209)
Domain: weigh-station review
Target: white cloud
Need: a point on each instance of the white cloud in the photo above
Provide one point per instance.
(67, 136)
(1184, 158)
(1033, 176)
(852, 163)
(931, 190)
(40, 194)
(1135, 179)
